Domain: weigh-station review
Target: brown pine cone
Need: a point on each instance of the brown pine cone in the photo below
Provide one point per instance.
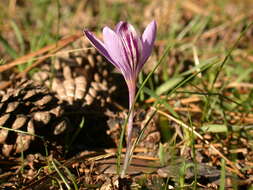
(27, 111)
(80, 77)
(84, 84)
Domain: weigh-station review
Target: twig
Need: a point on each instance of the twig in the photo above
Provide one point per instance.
(52, 48)
(25, 58)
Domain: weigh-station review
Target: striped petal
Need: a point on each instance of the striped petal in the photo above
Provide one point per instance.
(124, 48)
(100, 46)
(148, 38)
(132, 45)
(118, 26)
(115, 49)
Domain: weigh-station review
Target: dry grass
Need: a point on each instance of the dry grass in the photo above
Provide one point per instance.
(202, 91)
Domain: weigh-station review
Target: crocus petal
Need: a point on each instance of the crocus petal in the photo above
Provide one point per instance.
(148, 38)
(124, 48)
(100, 46)
(132, 45)
(114, 47)
(118, 26)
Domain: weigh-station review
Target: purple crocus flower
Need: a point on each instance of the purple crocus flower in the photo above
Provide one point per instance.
(128, 52)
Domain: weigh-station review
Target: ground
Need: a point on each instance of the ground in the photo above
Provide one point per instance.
(63, 105)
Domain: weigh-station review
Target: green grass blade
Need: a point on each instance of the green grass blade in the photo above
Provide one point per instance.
(73, 137)
(160, 101)
(223, 175)
(229, 53)
(19, 37)
(168, 85)
(61, 175)
(70, 175)
(8, 48)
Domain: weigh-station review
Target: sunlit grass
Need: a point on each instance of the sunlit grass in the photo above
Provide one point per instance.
(203, 58)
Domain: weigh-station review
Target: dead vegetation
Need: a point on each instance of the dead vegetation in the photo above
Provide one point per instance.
(63, 106)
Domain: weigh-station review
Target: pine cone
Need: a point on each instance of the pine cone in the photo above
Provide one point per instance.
(79, 78)
(82, 83)
(27, 111)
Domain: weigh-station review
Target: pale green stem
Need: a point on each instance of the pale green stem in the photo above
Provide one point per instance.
(131, 91)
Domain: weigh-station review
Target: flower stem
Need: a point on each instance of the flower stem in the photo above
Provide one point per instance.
(131, 91)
